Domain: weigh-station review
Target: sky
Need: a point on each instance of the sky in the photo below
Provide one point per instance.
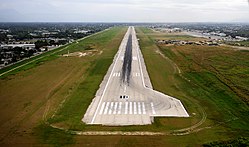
(124, 10)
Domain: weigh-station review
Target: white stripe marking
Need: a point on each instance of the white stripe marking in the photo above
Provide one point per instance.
(106, 107)
(115, 108)
(135, 108)
(130, 107)
(143, 106)
(119, 74)
(110, 109)
(119, 107)
(126, 107)
(115, 63)
(152, 108)
(139, 107)
(102, 108)
(134, 58)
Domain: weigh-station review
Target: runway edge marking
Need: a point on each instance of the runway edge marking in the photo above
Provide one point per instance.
(138, 50)
(119, 53)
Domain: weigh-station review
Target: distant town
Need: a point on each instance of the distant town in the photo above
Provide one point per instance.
(211, 34)
(20, 41)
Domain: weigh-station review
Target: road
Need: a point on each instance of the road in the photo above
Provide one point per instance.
(126, 96)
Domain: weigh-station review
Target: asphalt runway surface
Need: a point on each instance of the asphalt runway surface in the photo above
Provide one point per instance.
(125, 96)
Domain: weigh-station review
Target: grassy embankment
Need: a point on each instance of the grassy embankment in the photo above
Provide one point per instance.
(31, 95)
(218, 82)
(76, 92)
(239, 43)
(205, 95)
(200, 98)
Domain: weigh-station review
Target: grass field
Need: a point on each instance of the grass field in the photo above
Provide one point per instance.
(214, 77)
(33, 93)
(212, 83)
(240, 43)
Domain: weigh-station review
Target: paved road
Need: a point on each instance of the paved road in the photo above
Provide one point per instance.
(128, 99)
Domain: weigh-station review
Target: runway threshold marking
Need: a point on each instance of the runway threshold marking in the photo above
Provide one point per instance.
(119, 107)
(130, 107)
(102, 108)
(115, 108)
(110, 109)
(108, 81)
(143, 106)
(152, 108)
(106, 107)
(126, 107)
(139, 107)
(135, 108)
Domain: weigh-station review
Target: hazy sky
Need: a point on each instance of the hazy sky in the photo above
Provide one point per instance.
(124, 10)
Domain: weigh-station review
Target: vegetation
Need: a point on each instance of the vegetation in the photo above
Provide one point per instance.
(213, 77)
(239, 43)
(42, 86)
(240, 142)
(212, 84)
(51, 136)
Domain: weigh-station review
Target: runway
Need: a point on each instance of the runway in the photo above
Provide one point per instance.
(125, 96)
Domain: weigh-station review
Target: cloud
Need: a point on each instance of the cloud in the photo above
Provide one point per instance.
(126, 10)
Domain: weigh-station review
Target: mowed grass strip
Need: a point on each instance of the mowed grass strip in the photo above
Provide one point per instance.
(50, 55)
(72, 111)
(31, 96)
(218, 82)
(70, 115)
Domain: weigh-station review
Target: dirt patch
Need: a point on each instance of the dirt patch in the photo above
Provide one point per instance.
(23, 105)
(82, 54)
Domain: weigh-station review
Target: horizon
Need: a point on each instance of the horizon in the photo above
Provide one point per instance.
(133, 11)
(135, 22)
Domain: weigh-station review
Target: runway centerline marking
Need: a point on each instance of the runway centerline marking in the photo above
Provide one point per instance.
(124, 88)
(119, 53)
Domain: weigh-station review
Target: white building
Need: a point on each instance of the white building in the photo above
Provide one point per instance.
(11, 46)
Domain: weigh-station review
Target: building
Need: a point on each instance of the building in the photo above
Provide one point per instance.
(11, 46)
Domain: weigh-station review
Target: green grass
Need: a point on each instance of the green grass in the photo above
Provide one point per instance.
(206, 94)
(48, 135)
(71, 113)
(214, 90)
(44, 57)
(239, 43)
(74, 108)
(219, 83)
(51, 55)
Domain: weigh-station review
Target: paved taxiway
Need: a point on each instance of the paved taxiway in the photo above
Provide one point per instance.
(125, 96)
